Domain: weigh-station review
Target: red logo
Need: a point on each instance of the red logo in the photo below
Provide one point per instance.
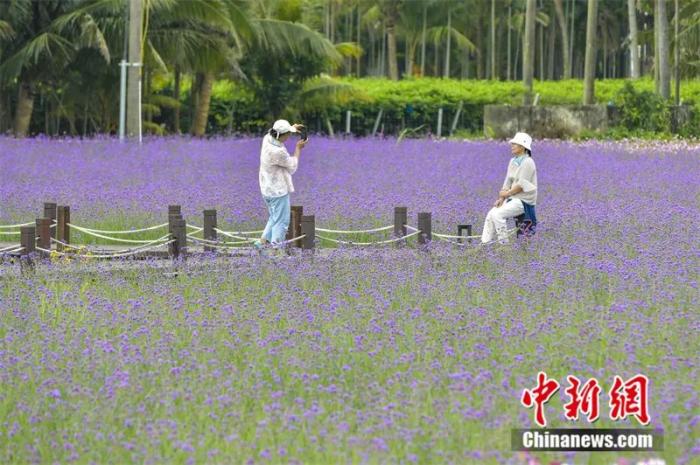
(539, 396)
(586, 400)
(627, 398)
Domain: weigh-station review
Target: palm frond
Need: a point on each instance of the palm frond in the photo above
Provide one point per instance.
(163, 101)
(439, 34)
(91, 36)
(349, 49)
(284, 37)
(325, 91)
(45, 45)
(6, 31)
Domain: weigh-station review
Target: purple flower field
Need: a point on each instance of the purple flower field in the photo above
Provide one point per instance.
(386, 356)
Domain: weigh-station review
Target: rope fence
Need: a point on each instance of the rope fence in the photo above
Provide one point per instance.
(389, 241)
(362, 231)
(55, 227)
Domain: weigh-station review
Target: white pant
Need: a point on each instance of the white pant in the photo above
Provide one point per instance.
(496, 220)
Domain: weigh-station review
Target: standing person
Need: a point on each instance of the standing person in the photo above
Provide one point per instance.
(518, 194)
(276, 170)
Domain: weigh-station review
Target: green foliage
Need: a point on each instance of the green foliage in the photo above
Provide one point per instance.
(413, 103)
(643, 110)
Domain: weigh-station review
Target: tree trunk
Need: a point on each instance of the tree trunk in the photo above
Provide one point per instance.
(411, 52)
(663, 58)
(449, 42)
(359, 36)
(201, 114)
(479, 50)
(540, 47)
(133, 97)
(391, 48)
(529, 50)
(589, 68)
(564, 38)
(508, 53)
(493, 40)
(25, 106)
(176, 96)
(551, 36)
(634, 41)
(572, 35)
(422, 40)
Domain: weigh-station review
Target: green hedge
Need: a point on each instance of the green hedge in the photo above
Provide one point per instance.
(414, 103)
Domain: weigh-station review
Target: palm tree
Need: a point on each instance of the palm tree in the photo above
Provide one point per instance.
(391, 9)
(589, 68)
(529, 50)
(662, 59)
(564, 38)
(633, 39)
(37, 47)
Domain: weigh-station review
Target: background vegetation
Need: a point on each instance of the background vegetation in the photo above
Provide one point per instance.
(222, 66)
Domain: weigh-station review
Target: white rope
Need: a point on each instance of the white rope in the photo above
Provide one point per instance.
(227, 247)
(216, 243)
(15, 226)
(153, 242)
(447, 236)
(410, 227)
(10, 233)
(116, 255)
(244, 233)
(389, 241)
(5, 252)
(232, 236)
(116, 239)
(289, 241)
(363, 231)
(195, 229)
(131, 231)
(11, 248)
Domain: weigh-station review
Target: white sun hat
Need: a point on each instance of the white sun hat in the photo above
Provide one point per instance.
(522, 138)
(282, 126)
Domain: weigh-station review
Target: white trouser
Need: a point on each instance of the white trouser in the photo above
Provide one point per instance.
(496, 220)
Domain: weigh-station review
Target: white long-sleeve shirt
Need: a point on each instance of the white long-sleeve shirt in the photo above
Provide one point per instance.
(276, 168)
(524, 176)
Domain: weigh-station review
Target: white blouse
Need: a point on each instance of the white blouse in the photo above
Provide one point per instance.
(276, 168)
(524, 175)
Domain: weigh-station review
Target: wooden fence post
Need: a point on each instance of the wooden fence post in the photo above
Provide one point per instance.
(27, 239)
(62, 229)
(425, 226)
(179, 227)
(50, 213)
(172, 247)
(294, 229)
(308, 227)
(174, 210)
(463, 227)
(209, 225)
(348, 120)
(43, 229)
(400, 221)
(439, 123)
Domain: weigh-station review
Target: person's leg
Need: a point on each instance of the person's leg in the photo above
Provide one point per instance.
(489, 232)
(281, 218)
(267, 233)
(501, 215)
